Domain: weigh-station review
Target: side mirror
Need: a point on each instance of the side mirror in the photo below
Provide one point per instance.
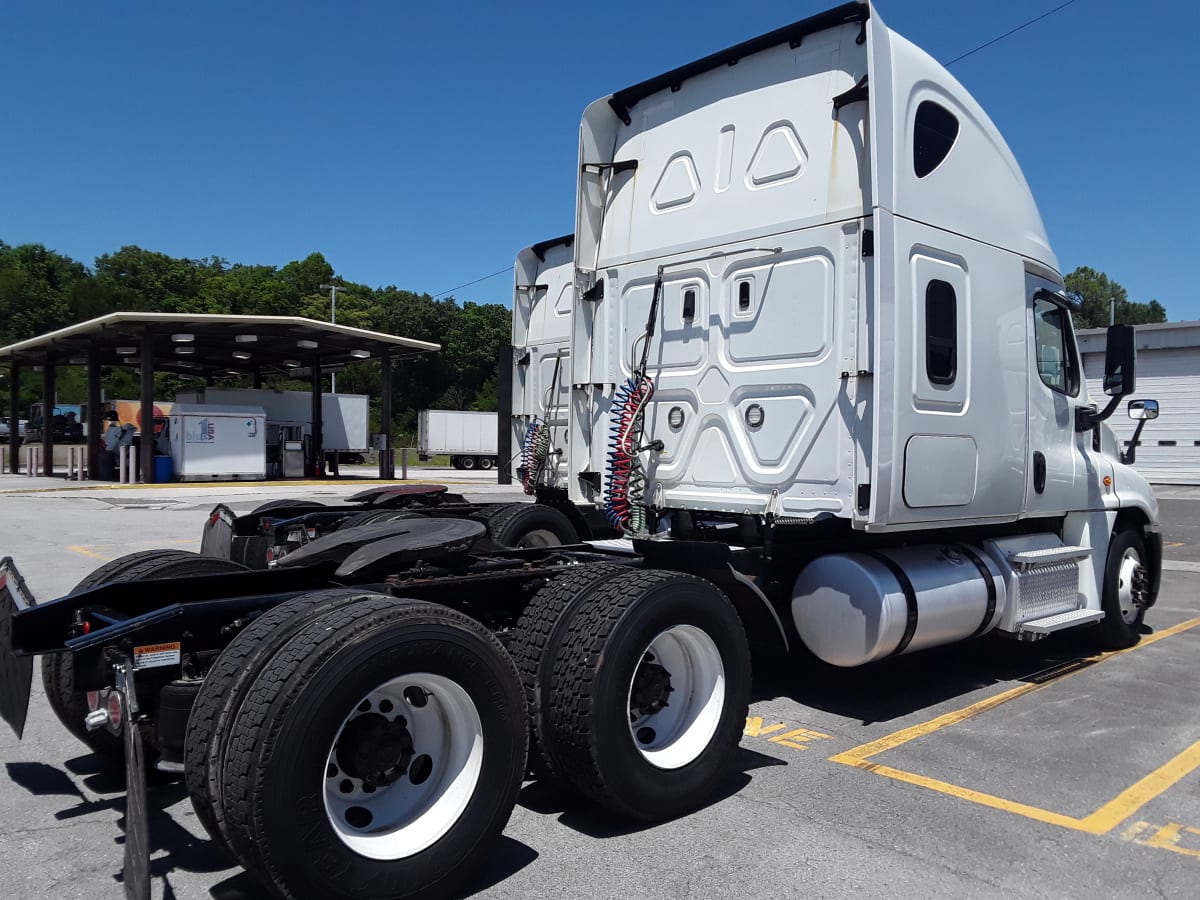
(1143, 409)
(1120, 361)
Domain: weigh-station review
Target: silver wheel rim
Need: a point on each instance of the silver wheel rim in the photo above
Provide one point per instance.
(673, 727)
(1130, 562)
(441, 767)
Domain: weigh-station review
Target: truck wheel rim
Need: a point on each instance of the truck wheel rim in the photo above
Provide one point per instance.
(1126, 575)
(403, 767)
(676, 697)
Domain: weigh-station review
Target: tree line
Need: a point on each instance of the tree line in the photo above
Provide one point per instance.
(42, 290)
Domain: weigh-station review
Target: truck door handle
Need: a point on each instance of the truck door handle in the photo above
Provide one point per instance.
(1039, 471)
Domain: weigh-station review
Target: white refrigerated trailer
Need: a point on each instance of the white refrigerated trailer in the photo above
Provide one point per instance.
(468, 437)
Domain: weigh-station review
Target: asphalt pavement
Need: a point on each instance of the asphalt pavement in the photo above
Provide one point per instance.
(989, 769)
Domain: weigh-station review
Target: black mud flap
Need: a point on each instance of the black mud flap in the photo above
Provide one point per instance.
(16, 672)
(217, 539)
(136, 872)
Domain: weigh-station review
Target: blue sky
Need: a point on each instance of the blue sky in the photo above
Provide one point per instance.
(422, 145)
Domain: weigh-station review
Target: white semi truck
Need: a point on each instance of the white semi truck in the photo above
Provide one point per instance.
(823, 378)
(543, 300)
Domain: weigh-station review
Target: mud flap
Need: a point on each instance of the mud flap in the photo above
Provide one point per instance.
(217, 538)
(136, 872)
(16, 672)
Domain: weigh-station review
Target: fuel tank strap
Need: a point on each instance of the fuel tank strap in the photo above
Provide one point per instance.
(989, 583)
(910, 598)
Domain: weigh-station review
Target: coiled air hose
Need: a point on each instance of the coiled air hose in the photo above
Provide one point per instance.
(626, 483)
(535, 450)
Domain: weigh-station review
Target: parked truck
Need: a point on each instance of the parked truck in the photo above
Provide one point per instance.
(468, 437)
(67, 421)
(822, 376)
(543, 299)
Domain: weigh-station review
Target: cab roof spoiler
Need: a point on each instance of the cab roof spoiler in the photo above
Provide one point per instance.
(623, 101)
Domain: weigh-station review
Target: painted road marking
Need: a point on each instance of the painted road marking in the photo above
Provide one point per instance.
(1172, 836)
(796, 738)
(86, 552)
(1102, 821)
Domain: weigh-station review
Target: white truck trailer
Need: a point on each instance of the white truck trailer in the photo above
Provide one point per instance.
(468, 437)
(822, 375)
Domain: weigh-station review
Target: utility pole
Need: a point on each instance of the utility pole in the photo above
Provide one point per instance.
(333, 292)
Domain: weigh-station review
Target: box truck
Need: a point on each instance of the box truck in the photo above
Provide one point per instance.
(822, 376)
(468, 437)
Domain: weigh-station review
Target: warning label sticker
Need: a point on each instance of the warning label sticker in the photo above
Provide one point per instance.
(152, 655)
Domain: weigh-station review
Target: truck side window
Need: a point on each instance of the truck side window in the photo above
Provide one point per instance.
(934, 133)
(1056, 361)
(941, 332)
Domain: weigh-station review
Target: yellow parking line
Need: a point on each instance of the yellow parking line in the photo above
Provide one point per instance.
(1101, 821)
(87, 552)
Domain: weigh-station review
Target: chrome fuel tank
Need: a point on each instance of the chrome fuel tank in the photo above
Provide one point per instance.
(855, 608)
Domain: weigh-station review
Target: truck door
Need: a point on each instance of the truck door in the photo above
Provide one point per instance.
(1058, 463)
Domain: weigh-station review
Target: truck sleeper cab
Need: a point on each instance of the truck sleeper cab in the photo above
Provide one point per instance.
(823, 280)
(543, 300)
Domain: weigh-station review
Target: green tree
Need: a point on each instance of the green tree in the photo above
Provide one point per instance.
(1096, 290)
(473, 345)
(146, 281)
(35, 284)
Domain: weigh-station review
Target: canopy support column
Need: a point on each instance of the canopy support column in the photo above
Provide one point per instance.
(146, 416)
(14, 418)
(48, 397)
(387, 461)
(318, 423)
(95, 419)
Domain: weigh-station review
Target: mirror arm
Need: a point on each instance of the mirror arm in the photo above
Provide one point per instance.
(1130, 455)
(1086, 418)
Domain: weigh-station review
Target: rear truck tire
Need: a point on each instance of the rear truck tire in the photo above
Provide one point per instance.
(1124, 581)
(539, 634)
(225, 686)
(455, 462)
(466, 462)
(378, 754)
(529, 525)
(649, 694)
(485, 462)
(58, 677)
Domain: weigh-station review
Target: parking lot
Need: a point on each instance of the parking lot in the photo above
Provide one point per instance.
(984, 769)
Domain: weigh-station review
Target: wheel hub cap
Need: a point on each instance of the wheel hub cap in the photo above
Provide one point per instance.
(651, 689)
(375, 750)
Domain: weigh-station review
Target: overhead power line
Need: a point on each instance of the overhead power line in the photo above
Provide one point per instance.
(1008, 33)
(476, 281)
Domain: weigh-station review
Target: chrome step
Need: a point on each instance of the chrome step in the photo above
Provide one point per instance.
(1038, 628)
(1024, 559)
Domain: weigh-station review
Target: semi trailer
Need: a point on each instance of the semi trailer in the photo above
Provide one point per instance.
(469, 438)
(823, 380)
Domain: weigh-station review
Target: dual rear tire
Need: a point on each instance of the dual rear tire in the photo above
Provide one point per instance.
(638, 683)
(350, 744)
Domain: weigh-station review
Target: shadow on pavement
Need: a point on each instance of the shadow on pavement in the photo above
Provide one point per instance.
(548, 796)
(894, 688)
